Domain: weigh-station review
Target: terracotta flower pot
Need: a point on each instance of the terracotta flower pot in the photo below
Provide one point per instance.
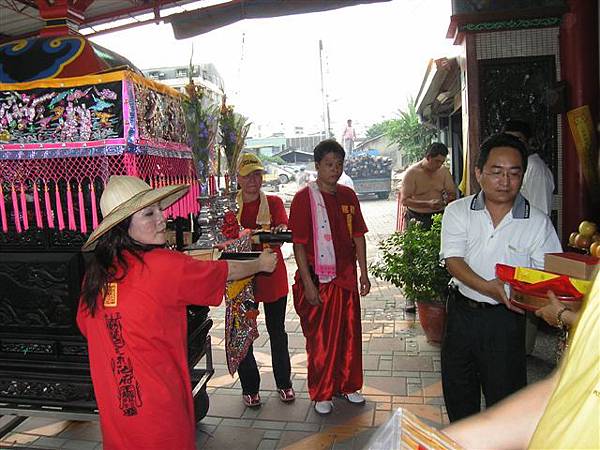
(433, 320)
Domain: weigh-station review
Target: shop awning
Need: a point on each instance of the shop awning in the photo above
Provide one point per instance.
(438, 89)
(26, 18)
(203, 20)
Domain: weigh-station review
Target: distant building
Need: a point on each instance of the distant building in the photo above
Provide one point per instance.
(293, 156)
(265, 146)
(177, 77)
(304, 143)
(278, 145)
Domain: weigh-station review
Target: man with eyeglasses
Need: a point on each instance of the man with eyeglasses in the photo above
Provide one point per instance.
(484, 347)
(537, 187)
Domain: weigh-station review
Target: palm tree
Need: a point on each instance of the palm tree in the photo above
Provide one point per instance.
(411, 135)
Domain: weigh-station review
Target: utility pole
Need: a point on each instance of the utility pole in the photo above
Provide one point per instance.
(329, 134)
(326, 123)
(239, 74)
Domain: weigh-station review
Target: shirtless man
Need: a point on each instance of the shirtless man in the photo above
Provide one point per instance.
(428, 186)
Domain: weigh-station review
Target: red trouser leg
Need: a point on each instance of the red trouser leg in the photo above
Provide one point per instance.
(333, 341)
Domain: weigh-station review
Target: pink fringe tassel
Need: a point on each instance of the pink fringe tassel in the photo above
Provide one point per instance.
(36, 205)
(190, 196)
(82, 222)
(177, 205)
(3, 211)
(181, 203)
(70, 211)
(197, 203)
(94, 210)
(59, 210)
(186, 199)
(195, 200)
(49, 214)
(13, 195)
(165, 182)
(24, 209)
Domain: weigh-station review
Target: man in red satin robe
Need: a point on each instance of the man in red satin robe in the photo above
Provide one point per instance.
(328, 303)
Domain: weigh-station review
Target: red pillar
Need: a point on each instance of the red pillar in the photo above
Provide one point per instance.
(579, 67)
(62, 17)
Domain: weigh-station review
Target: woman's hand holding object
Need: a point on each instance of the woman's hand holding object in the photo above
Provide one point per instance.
(267, 261)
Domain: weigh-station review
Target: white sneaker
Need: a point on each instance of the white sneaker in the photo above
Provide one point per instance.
(354, 397)
(324, 407)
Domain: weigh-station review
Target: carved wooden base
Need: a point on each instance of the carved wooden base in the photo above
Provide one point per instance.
(43, 357)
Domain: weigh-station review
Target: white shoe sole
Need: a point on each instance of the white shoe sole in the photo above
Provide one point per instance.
(359, 401)
(324, 408)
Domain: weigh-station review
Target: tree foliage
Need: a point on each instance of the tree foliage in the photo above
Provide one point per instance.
(410, 260)
(406, 131)
(271, 159)
(379, 128)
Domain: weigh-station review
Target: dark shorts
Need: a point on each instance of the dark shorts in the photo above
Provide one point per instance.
(426, 219)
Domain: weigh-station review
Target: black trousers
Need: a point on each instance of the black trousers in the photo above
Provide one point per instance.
(483, 350)
(426, 219)
(280, 356)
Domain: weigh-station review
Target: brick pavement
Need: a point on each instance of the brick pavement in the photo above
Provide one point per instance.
(400, 368)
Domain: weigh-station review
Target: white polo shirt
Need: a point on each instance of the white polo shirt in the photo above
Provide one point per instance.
(538, 184)
(521, 239)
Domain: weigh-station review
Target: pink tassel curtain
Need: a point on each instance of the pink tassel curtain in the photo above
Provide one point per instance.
(66, 189)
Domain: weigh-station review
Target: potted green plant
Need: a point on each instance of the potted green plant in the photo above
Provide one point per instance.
(410, 261)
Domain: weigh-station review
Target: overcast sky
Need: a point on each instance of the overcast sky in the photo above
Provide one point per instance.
(376, 56)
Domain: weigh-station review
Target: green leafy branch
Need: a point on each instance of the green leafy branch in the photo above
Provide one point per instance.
(410, 261)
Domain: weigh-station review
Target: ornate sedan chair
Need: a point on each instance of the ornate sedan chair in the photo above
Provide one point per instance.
(60, 140)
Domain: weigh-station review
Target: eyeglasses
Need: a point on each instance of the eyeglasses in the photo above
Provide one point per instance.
(512, 174)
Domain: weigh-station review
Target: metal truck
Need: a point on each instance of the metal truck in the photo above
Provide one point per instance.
(370, 174)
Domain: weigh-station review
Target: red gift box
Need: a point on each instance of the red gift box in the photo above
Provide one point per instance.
(532, 296)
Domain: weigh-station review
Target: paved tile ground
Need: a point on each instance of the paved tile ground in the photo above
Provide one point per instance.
(400, 368)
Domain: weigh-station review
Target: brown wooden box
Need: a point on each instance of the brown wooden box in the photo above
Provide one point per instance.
(572, 264)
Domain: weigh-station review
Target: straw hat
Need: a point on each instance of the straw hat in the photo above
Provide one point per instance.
(123, 196)
(249, 163)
